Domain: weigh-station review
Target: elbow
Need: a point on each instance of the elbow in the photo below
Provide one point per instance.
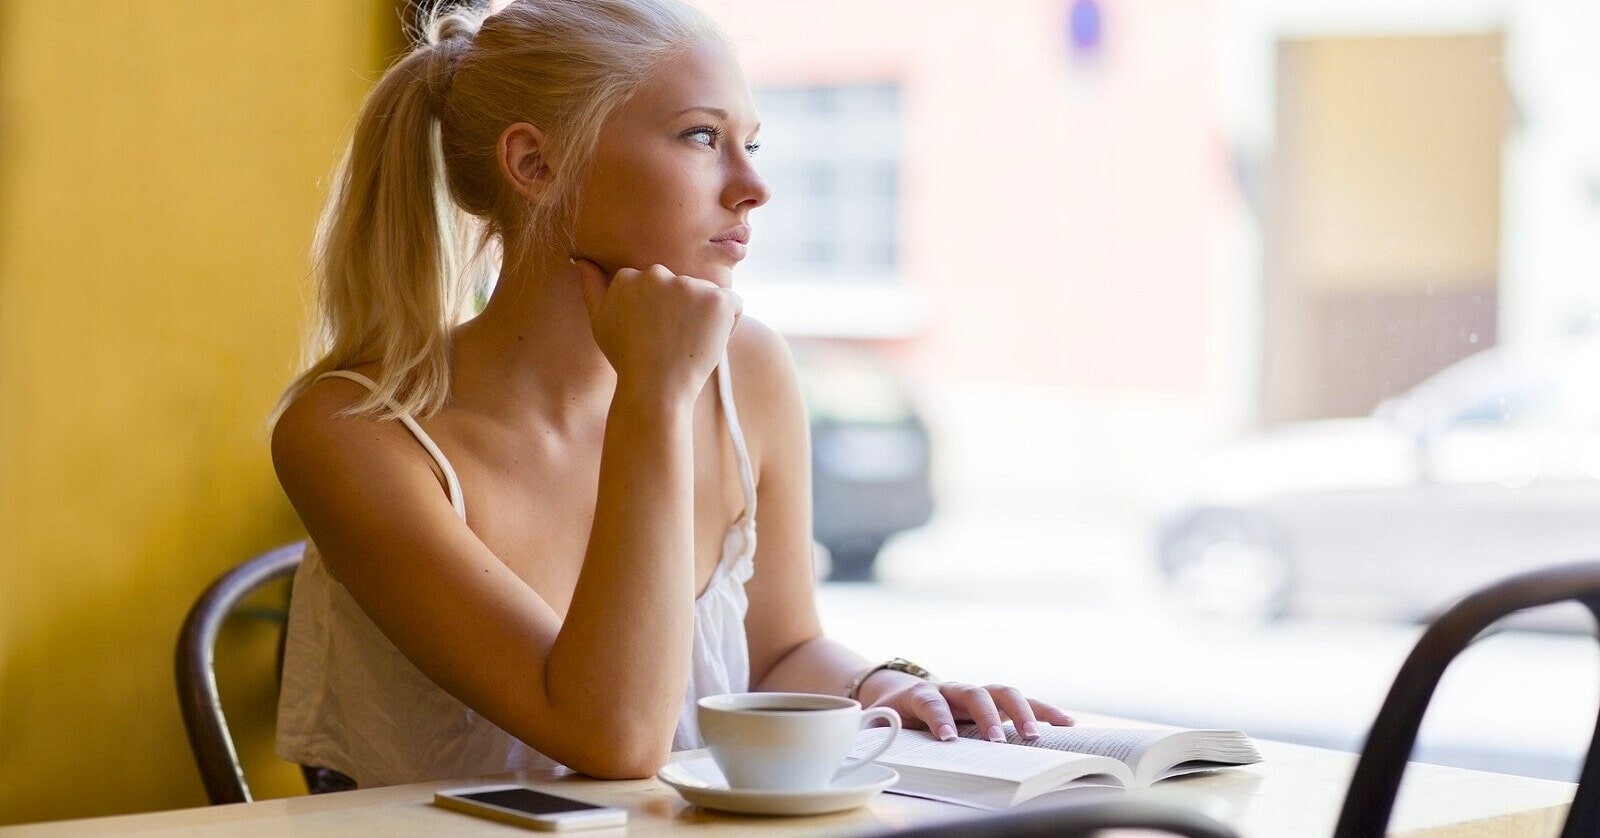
(625, 761)
(618, 770)
(620, 748)
(615, 739)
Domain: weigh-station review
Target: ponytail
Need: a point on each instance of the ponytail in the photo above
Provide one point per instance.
(392, 249)
(418, 200)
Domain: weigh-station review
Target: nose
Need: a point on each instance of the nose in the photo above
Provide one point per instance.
(745, 189)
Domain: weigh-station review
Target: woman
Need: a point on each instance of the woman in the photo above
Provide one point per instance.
(535, 532)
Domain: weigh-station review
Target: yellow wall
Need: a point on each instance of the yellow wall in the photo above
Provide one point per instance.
(161, 164)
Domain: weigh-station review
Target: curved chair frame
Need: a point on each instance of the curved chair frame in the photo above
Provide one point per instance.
(1370, 799)
(198, 697)
(1079, 820)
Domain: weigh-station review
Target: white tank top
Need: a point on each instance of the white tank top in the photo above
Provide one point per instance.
(350, 701)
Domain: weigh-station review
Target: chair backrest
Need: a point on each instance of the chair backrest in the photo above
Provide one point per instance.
(198, 698)
(1370, 798)
(1080, 819)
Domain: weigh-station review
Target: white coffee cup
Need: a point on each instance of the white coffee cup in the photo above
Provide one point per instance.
(787, 741)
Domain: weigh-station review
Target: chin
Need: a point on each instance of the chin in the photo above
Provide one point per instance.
(720, 273)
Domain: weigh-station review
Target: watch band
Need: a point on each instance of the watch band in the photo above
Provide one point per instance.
(894, 664)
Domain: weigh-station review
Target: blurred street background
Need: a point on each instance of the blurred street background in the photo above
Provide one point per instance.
(1235, 339)
(1093, 636)
(1007, 583)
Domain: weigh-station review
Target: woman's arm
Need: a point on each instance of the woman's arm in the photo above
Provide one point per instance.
(595, 693)
(600, 690)
(788, 650)
(782, 620)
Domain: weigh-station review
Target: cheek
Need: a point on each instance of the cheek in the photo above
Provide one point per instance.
(634, 212)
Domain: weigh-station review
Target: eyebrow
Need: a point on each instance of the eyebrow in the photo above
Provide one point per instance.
(719, 113)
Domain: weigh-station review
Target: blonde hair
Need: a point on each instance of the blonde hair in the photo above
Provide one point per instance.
(419, 202)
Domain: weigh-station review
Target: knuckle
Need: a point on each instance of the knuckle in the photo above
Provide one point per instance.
(974, 691)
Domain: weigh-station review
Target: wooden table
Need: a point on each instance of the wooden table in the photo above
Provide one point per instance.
(1295, 793)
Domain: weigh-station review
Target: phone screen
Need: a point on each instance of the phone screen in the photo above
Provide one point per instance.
(528, 800)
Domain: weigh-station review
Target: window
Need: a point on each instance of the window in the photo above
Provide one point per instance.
(831, 154)
(1168, 282)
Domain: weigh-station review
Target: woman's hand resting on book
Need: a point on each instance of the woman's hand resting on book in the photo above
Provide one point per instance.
(938, 705)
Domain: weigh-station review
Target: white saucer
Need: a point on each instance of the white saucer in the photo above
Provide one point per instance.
(701, 783)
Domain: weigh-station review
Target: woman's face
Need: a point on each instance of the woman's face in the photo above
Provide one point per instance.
(672, 181)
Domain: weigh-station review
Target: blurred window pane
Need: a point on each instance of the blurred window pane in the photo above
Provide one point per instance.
(831, 154)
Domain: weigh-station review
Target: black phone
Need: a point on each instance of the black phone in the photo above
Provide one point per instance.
(524, 806)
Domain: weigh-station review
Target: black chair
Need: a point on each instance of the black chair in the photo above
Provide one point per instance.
(198, 698)
(1082, 819)
(1370, 799)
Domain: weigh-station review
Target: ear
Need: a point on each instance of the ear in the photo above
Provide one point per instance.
(524, 161)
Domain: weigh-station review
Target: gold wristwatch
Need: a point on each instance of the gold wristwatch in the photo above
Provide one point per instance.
(895, 664)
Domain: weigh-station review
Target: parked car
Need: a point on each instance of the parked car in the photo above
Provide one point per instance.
(869, 456)
(1489, 467)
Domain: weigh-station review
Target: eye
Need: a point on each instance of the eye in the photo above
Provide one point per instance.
(752, 147)
(706, 135)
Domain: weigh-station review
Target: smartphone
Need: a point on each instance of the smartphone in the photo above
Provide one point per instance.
(523, 806)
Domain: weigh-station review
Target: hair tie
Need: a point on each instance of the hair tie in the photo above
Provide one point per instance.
(447, 39)
(440, 64)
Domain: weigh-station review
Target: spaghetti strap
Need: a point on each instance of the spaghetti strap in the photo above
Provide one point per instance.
(740, 450)
(452, 484)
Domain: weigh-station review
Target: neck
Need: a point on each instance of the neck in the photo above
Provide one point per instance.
(532, 345)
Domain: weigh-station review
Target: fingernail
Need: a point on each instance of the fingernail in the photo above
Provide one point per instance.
(996, 734)
(1030, 730)
(1071, 721)
(947, 733)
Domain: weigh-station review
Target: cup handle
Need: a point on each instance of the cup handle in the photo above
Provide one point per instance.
(867, 716)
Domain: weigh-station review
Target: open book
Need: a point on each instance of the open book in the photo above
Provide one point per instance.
(973, 771)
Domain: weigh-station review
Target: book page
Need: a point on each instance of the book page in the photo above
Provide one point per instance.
(1193, 751)
(1124, 744)
(961, 756)
(1154, 754)
(987, 775)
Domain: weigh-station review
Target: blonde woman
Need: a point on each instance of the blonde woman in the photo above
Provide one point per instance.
(534, 533)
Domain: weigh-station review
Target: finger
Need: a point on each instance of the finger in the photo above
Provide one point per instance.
(980, 708)
(1050, 713)
(728, 300)
(738, 309)
(928, 705)
(595, 283)
(1015, 707)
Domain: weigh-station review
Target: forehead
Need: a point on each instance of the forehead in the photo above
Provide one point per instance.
(705, 76)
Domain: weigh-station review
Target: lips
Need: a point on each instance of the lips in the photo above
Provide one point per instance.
(733, 242)
(740, 234)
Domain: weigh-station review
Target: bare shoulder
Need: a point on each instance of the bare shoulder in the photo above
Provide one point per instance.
(315, 440)
(766, 388)
(316, 420)
(760, 357)
(764, 374)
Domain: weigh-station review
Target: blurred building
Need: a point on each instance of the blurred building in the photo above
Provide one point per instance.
(1021, 200)
(1229, 213)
